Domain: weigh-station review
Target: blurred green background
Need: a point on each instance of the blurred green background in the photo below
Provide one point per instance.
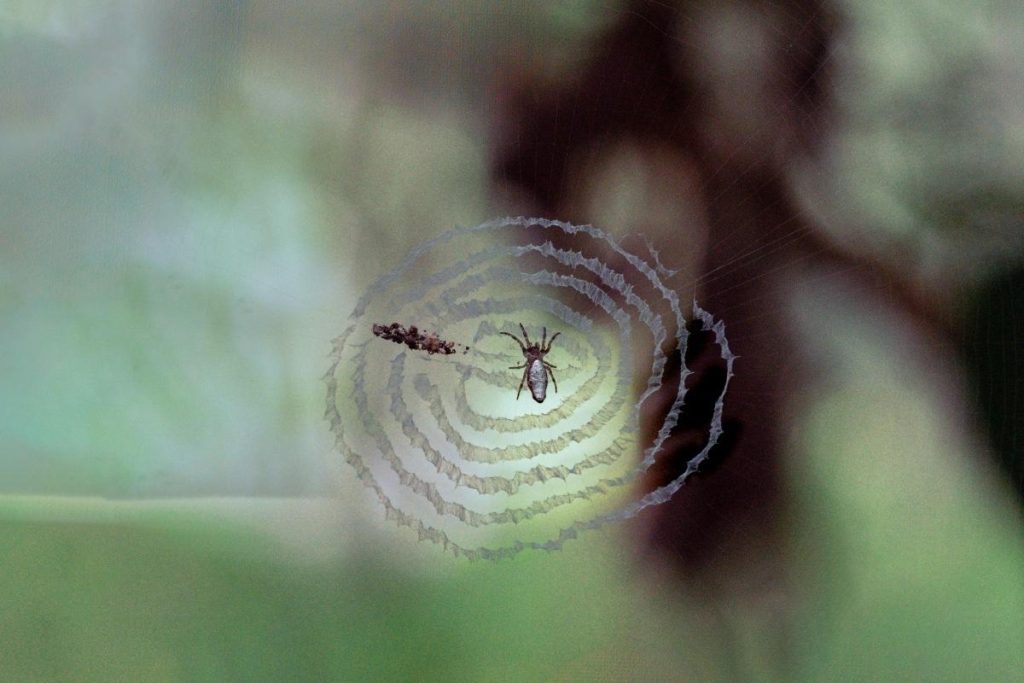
(194, 195)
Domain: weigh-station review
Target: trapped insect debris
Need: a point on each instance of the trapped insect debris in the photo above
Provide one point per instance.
(447, 449)
(416, 339)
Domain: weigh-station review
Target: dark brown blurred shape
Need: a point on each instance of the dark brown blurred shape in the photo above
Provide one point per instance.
(719, 99)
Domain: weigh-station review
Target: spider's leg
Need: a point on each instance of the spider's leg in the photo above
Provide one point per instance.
(509, 334)
(543, 336)
(550, 365)
(517, 367)
(551, 341)
(551, 374)
(521, 382)
(525, 336)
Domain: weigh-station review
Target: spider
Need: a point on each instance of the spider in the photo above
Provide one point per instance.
(537, 369)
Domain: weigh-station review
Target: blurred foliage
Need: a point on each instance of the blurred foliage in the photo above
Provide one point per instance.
(168, 597)
(912, 541)
(928, 135)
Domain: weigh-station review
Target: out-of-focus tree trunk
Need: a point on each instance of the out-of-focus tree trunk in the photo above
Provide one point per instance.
(695, 111)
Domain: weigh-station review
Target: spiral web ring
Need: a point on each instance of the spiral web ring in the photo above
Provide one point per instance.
(442, 442)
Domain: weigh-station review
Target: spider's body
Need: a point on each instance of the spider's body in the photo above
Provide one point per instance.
(536, 369)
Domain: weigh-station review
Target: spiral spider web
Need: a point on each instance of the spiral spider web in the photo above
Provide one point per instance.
(442, 441)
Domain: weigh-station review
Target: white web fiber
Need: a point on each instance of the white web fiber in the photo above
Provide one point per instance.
(442, 441)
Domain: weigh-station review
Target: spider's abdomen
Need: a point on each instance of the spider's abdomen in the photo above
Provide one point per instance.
(537, 380)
